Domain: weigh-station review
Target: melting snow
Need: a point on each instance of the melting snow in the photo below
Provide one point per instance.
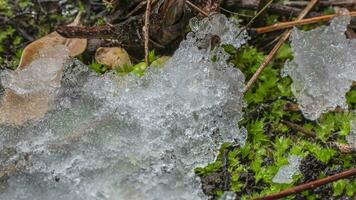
(351, 138)
(285, 173)
(323, 67)
(228, 195)
(29, 91)
(116, 137)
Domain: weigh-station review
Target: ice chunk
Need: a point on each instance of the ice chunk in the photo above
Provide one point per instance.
(28, 91)
(115, 138)
(218, 25)
(42, 74)
(351, 138)
(323, 67)
(228, 195)
(285, 173)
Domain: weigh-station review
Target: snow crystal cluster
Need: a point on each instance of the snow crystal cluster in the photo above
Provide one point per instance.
(285, 173)
(323, 67)
(228, 195)
(30, 90)
(113, 138)
(351, 138)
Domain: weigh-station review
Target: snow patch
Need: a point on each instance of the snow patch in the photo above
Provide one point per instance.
(323, 67)
(285, 173)
(114, 137)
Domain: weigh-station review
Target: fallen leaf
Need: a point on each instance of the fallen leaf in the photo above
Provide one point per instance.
(32, 51)
(28, 92)
(114, 57)
(16, 109)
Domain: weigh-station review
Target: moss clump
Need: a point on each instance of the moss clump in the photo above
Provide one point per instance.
(250, 169)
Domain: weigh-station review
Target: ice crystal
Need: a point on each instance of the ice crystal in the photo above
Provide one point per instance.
(351, 138)
(116, 138)
(228, 195)
(285, 173)
(323, 67)
(29, 91)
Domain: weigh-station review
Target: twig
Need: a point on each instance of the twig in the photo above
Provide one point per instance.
(255, 17)
(340, 3)
(310, 185)
(102, 32)
(299, 128)
(343, 148)
(201, 11)
(235, 13)
(284, 25)
(146, 31)
(137, 8)
(281, 41)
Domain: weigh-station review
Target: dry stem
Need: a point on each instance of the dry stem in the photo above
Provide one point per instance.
(343, 148)
(146, 31)
(310, 185)
(284, 25)
(201, 11)
(299, 128)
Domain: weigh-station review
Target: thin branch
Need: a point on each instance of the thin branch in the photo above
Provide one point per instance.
(299, 128)
(138, 7)
(146, 31)
(102, 32)
(345, 3)
(235, 13)
(310, 185)
(284, 25)
(259, 13)
(281, 41)
(255, 17)
(201, 11)
(343, 148)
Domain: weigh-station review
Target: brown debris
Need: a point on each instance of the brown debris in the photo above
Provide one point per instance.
(32, 51)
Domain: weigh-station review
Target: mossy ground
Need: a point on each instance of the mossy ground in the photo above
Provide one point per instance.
(246, 170)
(250, 169)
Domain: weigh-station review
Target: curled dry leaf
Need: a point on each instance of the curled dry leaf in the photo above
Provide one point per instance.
(114, 57)
(74, 45)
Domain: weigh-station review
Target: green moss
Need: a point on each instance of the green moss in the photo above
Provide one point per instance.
(269, 141)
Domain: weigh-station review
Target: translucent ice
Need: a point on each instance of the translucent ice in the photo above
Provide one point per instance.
(285, 173)
(29, 91)
(351, 138)
(323, 67)
(114, 138)
(228, 195)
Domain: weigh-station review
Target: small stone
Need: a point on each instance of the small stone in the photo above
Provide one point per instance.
(114, 57)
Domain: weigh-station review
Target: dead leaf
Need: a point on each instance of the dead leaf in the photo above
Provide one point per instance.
(16, 109)
(32, 51)
(114, 57)
(29, 92)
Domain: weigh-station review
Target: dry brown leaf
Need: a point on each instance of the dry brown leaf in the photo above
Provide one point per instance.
(75, 46)
(114, 57)
(16, 109)
(29, 92)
